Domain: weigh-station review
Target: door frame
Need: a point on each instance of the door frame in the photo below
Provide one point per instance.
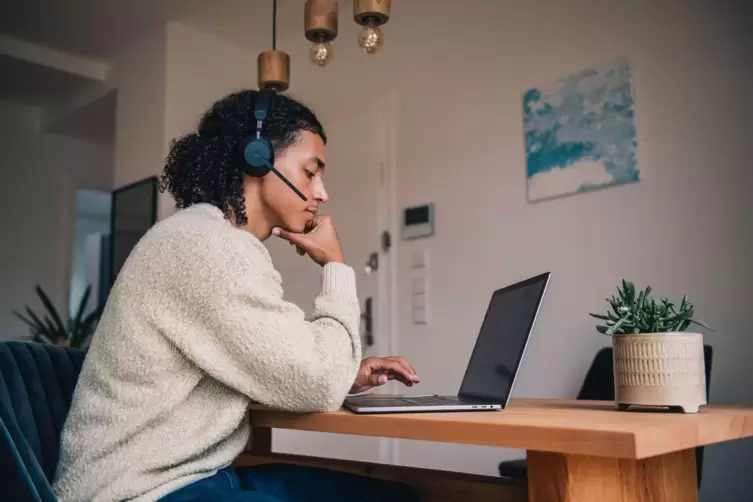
(389, 221)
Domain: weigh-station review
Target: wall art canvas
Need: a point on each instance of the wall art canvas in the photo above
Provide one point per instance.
(579, 132)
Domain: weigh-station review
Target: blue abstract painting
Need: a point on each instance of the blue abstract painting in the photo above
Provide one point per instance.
(579, 132)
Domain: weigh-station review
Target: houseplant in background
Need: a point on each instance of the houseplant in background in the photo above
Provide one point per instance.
(656, 361)
(49, 327)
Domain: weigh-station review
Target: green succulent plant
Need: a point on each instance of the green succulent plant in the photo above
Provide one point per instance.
(630, 313)
(49, 327)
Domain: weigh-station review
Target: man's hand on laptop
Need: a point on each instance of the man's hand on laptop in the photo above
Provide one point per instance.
(376, 371)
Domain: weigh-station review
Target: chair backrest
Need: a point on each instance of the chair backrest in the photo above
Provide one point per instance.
(599, 382)
(36, 387)
(599, 386)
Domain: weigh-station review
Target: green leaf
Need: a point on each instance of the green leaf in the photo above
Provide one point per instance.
(42, 327)
(50, 308)
(615, 326)
(86, 328)
(80, 312)
(52, 330)
(678, 318)
(630, 298)
(702, 324)
(641, 300)
(608, 317)
(32, 324)
(42, 338)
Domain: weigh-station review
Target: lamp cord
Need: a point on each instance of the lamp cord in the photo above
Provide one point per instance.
(274, 25)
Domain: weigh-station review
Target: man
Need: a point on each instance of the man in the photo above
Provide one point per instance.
(196, 328)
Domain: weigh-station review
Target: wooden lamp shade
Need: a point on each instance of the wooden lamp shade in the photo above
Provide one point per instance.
(273, 70)
(371, 12)
(320, 20)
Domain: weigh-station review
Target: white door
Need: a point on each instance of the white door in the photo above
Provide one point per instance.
(357, 181)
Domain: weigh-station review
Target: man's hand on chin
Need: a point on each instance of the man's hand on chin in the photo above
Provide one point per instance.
(377, 371)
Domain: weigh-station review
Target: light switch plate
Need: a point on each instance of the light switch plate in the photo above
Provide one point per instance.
(419, 316)
(420, 259)
(419, 285)
(419, 300)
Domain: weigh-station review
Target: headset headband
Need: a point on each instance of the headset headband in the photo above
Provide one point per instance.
(260, 111)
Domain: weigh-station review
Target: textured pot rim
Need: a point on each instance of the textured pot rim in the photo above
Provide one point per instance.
(659, 334)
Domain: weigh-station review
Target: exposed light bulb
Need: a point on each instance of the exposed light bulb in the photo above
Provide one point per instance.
(321, 53)
(371, 39)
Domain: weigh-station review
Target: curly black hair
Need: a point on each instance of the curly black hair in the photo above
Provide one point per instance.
(205, 165)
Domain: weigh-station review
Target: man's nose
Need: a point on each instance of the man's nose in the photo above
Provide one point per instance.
(320, 194)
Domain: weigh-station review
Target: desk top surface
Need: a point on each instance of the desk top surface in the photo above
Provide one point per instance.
(565, 426)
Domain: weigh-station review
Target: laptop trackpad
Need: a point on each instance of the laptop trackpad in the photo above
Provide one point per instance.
(394, 402)
(390, 402)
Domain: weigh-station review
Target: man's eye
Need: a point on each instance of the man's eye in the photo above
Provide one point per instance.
(309, 174)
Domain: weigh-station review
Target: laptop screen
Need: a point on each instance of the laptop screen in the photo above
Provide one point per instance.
(502, 339)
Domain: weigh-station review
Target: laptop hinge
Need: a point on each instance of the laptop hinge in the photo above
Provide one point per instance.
(481, 399)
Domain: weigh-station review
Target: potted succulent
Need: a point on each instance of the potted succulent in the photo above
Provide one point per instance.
(656, 361)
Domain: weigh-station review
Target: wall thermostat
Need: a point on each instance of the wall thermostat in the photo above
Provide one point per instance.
(418, 221)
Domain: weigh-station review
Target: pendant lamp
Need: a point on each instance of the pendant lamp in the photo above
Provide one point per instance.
(320, 27)
(371, 14)
(273, 66)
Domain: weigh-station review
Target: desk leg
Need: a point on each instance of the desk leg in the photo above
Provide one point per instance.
(555, 477)
(261, 440)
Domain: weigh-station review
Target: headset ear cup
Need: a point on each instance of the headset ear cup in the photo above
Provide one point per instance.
(257, 156)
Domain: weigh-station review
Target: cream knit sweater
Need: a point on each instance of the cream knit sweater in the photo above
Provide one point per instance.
(195, 328)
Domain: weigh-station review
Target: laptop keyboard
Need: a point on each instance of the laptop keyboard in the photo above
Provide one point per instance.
(432, 400)
(395, 402)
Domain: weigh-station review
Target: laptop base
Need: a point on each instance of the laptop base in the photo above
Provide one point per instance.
(415, 404)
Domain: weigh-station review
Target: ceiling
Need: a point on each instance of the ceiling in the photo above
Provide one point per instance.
(96, 30)
(33, 84)
(99, 28)
(94, 122)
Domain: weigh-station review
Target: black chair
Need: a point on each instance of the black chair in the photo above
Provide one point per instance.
(36, 387)
(599, 386)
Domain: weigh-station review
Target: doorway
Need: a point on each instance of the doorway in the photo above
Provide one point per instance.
(107, 226)
(90, 260)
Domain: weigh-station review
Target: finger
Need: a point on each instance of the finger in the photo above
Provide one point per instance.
(400, 372)
(292, 237)
(311, 225)
(377, 379)
(300, 250)
(405, 364)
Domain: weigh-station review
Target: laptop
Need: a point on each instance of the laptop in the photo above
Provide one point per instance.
(494, 363)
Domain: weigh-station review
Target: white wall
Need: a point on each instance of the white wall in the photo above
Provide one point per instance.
(161, 95)
(139, 75)
(687, 227)
(225, 68)
(37, 187)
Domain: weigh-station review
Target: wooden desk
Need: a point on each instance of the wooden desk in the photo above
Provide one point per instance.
(577, 450)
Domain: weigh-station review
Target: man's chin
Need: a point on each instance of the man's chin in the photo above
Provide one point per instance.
(297, 228)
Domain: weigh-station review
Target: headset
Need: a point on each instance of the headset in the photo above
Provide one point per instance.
(258, 154)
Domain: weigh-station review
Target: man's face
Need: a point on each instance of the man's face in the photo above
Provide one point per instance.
(302, 163)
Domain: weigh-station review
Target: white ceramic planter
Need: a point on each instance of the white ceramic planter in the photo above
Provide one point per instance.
(659, 369)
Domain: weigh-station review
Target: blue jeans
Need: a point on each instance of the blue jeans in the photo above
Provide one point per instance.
(290, 483)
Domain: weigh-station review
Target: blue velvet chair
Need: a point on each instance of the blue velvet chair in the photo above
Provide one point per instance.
(36, 387)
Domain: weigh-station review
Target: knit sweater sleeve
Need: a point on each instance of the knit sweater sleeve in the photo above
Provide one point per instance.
(227, 314)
